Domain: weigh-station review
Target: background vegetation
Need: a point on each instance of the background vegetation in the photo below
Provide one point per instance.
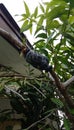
(43, 104)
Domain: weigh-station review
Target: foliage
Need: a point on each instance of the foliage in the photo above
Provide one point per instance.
(52, 24)
(37, 104)
(53, 28)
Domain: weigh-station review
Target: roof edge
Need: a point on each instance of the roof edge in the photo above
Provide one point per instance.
(14, 24)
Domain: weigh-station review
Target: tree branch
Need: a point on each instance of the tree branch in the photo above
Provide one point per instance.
(62, 90)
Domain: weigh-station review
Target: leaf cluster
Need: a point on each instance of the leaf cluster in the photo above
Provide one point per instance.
(52, 24)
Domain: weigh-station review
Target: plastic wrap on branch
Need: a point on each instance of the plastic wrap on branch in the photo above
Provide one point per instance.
(37, 60)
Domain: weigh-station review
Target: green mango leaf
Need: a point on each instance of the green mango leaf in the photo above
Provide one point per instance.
(39, 28)
(40, 45)
(64, 66)
(26, 26)
(53, 3)
(57, 101)
(42, 35)
(69, 36)
(42, 8)
(71, 3)
(50, 37)
(56, 12)
(52, 25)
(40, 22)
(72, 111)
(24, 16)
(44, 51)
(31, 30)
(64, 17)
(71, 19)
(66, 124)
(35, 12)
(39, 41)
(26, 9)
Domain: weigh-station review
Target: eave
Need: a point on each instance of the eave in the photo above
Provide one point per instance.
(9, 54)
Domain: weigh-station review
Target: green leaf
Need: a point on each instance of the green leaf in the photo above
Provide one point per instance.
(71, 19)
(53, 3)
(40, 22)
(44, 51)
(39, 41)
(50, 37)
(71, 3)
(69, 36)
(57, 102)
(42, 35)
(35, 12)
(72, 111)
(26, 9)
(42, 8)
(64, 17)
(56, 12)
(31, 29)
(26, 26)
(24, 16)
(66, 124)
(40, 45)
(64, 66)
(38, 29)
(54, 24)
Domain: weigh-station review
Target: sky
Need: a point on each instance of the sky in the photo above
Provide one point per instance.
(17, 7)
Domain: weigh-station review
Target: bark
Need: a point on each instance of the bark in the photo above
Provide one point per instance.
(62, 89)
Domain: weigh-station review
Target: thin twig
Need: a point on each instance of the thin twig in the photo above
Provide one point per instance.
(35, 123)
(19, 95)
(37, 89)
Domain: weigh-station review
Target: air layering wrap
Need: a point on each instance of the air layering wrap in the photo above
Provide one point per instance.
(37, 60)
